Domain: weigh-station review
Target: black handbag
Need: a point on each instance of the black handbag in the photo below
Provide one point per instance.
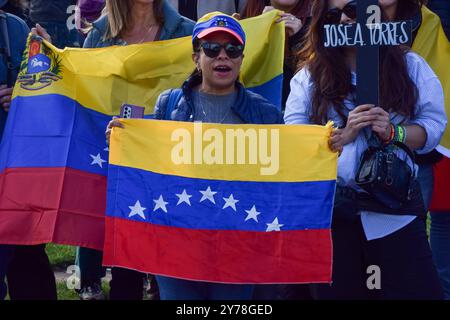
(385, 177)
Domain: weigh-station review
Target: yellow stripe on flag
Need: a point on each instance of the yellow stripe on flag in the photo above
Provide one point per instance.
(275, 153)
(103, 79)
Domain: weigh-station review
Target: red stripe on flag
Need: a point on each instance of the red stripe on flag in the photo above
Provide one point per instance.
(441, 199)
(60, 205)
(219, 255)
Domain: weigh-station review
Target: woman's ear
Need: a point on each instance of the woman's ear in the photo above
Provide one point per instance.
(195, 59)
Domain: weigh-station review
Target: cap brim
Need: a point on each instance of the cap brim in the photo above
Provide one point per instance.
(209, 31)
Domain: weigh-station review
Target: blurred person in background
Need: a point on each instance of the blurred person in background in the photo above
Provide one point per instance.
(193, 9)
(295, 15)
(57, 17)
(27, 268)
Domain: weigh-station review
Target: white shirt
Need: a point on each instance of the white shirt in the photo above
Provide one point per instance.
(429, 114)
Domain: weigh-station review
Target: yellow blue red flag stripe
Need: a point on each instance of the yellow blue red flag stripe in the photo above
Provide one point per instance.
(53, 156)
(237, 226)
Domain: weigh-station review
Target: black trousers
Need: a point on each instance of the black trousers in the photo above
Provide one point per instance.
(404, 260)
(126, 284)
(30, 276)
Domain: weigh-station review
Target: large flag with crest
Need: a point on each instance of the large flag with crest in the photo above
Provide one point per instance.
(53, 156)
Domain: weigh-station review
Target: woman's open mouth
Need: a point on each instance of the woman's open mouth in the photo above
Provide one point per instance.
(222, 71)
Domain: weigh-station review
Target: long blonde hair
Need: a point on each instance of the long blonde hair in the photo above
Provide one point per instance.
(119, 16)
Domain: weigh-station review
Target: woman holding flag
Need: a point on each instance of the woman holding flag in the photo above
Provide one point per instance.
(212, 94)
(412, 103)
(124, 23)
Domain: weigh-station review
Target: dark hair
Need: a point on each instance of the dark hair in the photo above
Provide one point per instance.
(254, 8)
(406, 9)
(332, 77)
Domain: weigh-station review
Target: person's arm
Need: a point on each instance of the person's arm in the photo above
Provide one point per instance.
(425, 131)
(416, 136)
(298, 104)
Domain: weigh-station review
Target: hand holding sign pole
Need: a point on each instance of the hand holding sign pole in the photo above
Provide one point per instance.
(368, 34)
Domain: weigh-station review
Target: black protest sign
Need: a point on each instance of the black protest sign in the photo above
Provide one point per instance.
(368, 34)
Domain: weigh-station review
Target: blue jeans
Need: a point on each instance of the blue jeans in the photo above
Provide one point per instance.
(6, 252)
(177, 289)
(440, 246)
(439, 231)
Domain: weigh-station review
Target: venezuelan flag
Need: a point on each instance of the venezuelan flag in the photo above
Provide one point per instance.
(182, 204)
(53, 156)
(432, 44)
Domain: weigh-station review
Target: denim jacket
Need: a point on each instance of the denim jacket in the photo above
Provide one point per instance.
(251, 107)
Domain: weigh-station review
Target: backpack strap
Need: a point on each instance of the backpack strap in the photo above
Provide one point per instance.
(175, 96)
(7, 49)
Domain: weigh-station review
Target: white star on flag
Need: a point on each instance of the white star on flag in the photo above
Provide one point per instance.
(106, 149)
(274, 226)
(160, 204)
(230, 202)
(208, 195)
(252, 214)
(137, 209)
(97, 160)
(184, 197)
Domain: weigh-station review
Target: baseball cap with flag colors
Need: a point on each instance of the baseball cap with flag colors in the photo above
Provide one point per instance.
(218, 21)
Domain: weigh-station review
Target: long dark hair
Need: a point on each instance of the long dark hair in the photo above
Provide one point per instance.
(255, 7)
(332, 77)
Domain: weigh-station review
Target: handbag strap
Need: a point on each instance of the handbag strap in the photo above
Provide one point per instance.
(407, 150)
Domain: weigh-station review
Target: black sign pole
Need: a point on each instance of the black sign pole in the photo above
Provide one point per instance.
(368, 60)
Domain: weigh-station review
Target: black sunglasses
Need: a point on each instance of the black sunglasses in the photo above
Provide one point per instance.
(334, 15)
(212, 49)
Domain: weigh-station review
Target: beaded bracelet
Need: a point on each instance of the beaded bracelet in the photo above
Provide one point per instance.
(391, 135)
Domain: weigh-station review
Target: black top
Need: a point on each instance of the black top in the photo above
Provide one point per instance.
(442, 9)
(50, 10)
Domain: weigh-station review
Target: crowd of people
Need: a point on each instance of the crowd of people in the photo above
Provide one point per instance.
(319, 86)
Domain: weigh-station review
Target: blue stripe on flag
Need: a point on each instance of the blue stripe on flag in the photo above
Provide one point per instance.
(297, 206)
